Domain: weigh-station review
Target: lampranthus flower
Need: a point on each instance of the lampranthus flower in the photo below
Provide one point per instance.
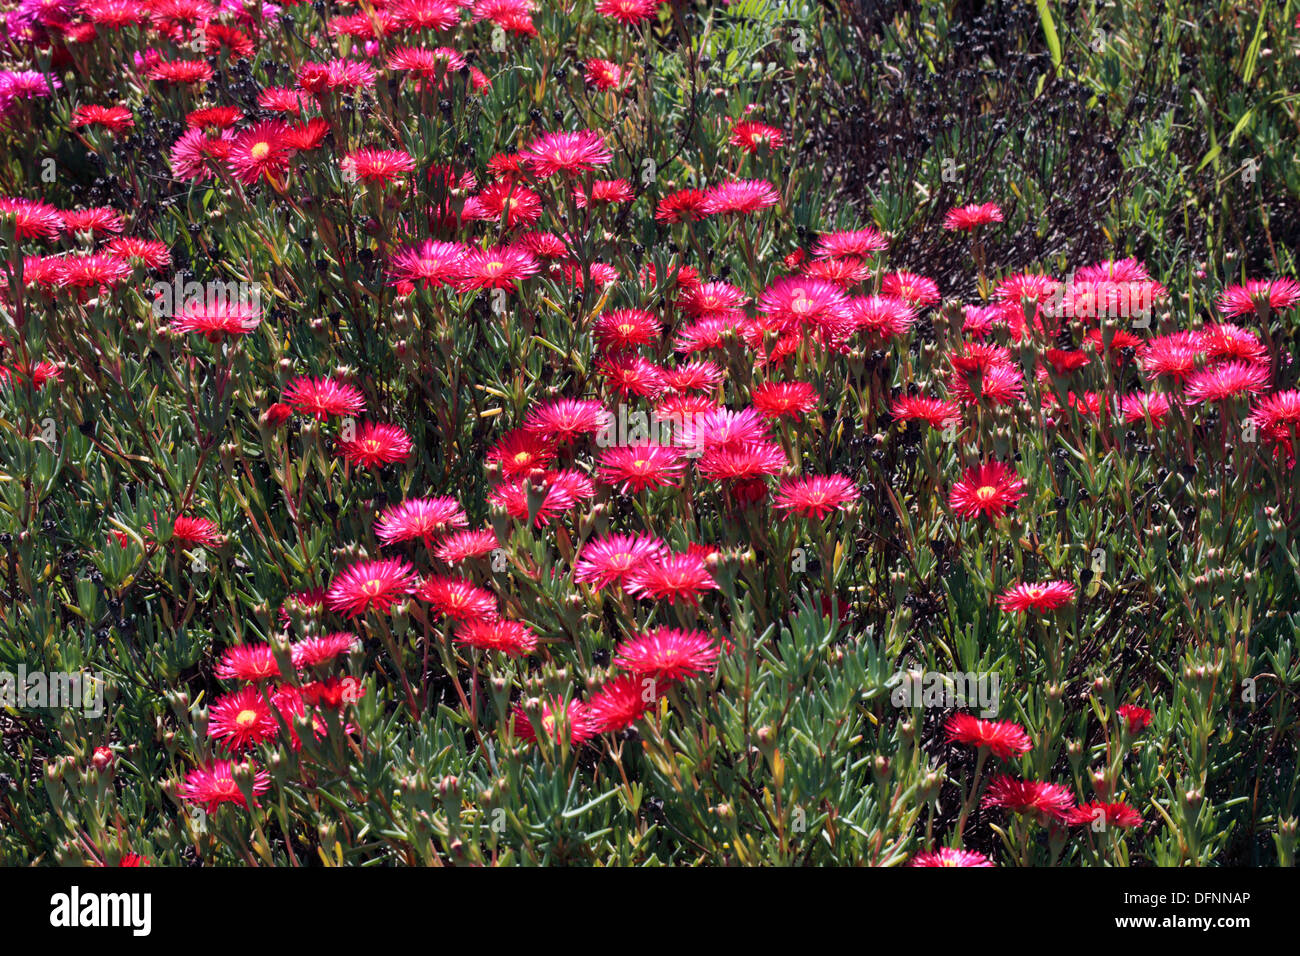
(634, 468)
(259, 153)
(368, 585)
(938, 413)
(217, 318)
(668, 654)
(1277, 416)
(496, 268)
(1004, 739)
(497, 634)
(192, 531)
(566, 419)
(577, 719)
(947, 856)
(970, 217)
(115, 119)
(429, 265)
(376, 444)
(990, 489)
(684, 205)
(463, 545)
(609, 559)
(1104, 815)
(815, 496)
(457, 598)
(320, 649)
(623, 701)
(419, 519)
(31, 219)
(1135, 718)
(323, 397)
(1052, 800)
(751, 136)
(693, 376)
(742, 462)
(915, 289)
(674, 578)
(250, 662)
(1280, 294)
(380, 166)
(214, 784)
(520, 452)
(566, 153)
(859, 243)
(789, 399)
(1227, 381)
(1039, 597)
(625, 328)
(627, 11)
(241, 720)
(742, 197)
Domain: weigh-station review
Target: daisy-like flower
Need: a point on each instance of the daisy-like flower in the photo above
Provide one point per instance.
(1004, 739)
(750, 136)
(462, 545)
(668, 654)
(1026, 285)
(115, 119)
(145, 252)
(1277, 416)
(947, 856)
(990, 489)
(91, 271)
(997, 384)
(217, 318)
(610, 559)
(241, 720)
(337, 74)
(693, 376)
(1225, 341)
(1043, 596)
(214, 784)
(603, 75)
(521, 451)
(881, 316)
(179, 71)
(213, 118)
(815, 496)
(566, 153)
(419, 519)
(100, 221)
(859, 243)
(580, 724)
(1173, 356)
(604, 191)
(561, 492)
(251, 662)
(1135, 718)
(777, 399)
(1052, 800)
(1136, 406)
(634, 468)
(191, 531)
(430, 264)
(515, 203)
(457, 598)
(565, 419)
(1105, 814)
(938, 413)
(370, 585)
(196, 153)
(497, 634)
(674, 578)
(625, 329)
(382, 166)
(440, 15)
(621, 702)
(1065, 361)
(712, 298)
(376, 444)
(912, 288)
(844, 273)
(497, 268)
(967, 218)
(320, 649)
(31, 219)
(323, 397)
(724, 428)
(793, 303)
(684, 205)
(1230, 380)
(627, 11)
(1280, 294)
(280, 100)
(630, 374)
(305, 137)
(744, 196)
(742, 462)
(259, 153)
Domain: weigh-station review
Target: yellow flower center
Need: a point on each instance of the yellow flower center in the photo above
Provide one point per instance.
(985, 492)
(246, 718)
(260, 150)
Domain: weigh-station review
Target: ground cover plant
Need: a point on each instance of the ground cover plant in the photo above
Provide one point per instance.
(620, 432)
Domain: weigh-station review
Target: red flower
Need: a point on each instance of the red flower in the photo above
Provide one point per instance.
(1138, 405)
(694, 376)
(180, 71)
(382, 166)
(1230, 380)
(881, 316)
(774, 399)
(990, 489)
(241, 719)
(214, 784)
(195, 531)
(859, 243)
(668, 654)
(1280, 294)
(376, 444)
(31, 219)
(621, 702)
(1134, 717)
(565, 419)
(516, 204)
(749, 136)
(496, 268)
(577, 719)
(676, 577)
(312, 651)
(429, 264)
(625, 328)
(323, 397)
(912, 288)
(736, 463)
(520, 452)
(685, 205)
(115, 119)
(461, 545)
(633, 468)
(967, 218)
(815, 496)
(1045, 596)
(744, 196)
(611, 558)
(1029, 796)
(457, 598)
(419, 519)
(947, 856)
(259, 153)
(935, 412)
(627, 11)
(1107, 814)
(566, 153)
(253, 662)
(497, 634)
(371, 584)
(218, 317)
(1005, 739)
